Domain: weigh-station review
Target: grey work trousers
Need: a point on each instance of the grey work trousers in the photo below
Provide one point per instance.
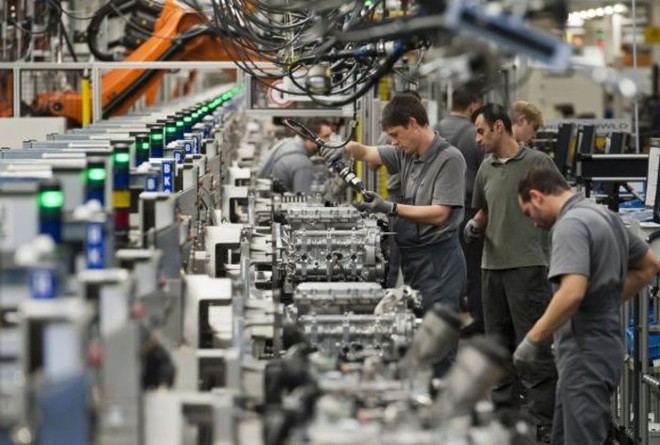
(586, 383)
(513, 300)
(438, 272)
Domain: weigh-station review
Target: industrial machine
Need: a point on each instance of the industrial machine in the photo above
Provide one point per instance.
(154, 291)
(173, 299)
(168, 31)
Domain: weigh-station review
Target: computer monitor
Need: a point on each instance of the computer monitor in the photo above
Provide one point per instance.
(564, 135)
(652, 178)
(618, 142)
(586, 136)
(587, 139)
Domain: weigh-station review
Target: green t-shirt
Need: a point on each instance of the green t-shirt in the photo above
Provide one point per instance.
(511, 239)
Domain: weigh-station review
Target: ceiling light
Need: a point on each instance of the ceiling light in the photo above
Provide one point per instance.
(619, 8)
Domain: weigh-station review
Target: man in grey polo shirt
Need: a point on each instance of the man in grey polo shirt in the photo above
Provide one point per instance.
(431, 208)
(596, 265)
(458, 130)
(288, 161)
(515, 286)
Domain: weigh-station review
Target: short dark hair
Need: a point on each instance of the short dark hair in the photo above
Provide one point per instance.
(413, 93)
(400, 109)
(463, 97)
(544, 178)
(493, 113)
(316, 123)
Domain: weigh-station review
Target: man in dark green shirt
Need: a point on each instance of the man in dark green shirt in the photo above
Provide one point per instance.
(515, 287)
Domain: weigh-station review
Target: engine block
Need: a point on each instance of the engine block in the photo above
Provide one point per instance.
(340, 333)
(334, 255)
(358, 298)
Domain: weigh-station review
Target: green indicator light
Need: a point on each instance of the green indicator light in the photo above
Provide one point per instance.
(179, 123)
(195, 115)
(122, 158)
(51, 199)
(205, 109)
(171, 129)
(145, 146)
(187, 119)
(156, 137)
(96, 174)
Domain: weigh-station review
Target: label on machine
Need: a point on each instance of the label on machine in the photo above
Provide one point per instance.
(151, 183)
(94, 245)
(167, 170)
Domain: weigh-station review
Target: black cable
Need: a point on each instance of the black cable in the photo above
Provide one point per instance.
(95, 25)
(29, 32)
(69, 45)
(306, 133)
(257, 35)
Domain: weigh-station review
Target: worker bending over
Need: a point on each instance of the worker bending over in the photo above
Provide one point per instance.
(288, 162)
(596, 265)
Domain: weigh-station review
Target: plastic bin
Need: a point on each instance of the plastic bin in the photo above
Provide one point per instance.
(654, 343)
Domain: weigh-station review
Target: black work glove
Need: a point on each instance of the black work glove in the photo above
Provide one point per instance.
(332, 154)
(377, 205)
(472, 231)
(526, 354)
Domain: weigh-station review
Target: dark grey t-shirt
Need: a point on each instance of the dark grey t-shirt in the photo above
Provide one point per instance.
(443, 183)
(462, 134)
(591, 241)
(288, 161)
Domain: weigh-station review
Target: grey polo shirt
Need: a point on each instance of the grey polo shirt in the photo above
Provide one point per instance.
(591, 241)
(443, 183)
(289, 162)
(511, 239)
(462, 134)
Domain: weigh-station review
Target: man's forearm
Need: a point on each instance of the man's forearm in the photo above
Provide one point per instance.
(361, 152)
(565, 302)
(356, 150)
(558, 313)
(433, 214)
(481, 217)
(640, 275)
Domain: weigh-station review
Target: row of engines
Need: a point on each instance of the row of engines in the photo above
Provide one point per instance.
(220, 312)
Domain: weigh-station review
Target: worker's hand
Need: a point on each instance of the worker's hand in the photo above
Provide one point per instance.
(526, 354)
(377, 204)
(472, 231)
(332, 154)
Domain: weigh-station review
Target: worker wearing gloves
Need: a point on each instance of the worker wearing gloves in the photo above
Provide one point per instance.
(431, 209)
(596, 265)
(515, 286)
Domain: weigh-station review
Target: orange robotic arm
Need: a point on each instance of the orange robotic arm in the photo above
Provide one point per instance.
(181, 33)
